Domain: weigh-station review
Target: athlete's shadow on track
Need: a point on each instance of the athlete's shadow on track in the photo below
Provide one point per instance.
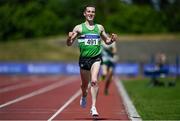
(93, 119)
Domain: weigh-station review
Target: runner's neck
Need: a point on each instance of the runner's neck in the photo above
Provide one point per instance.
(90, 25)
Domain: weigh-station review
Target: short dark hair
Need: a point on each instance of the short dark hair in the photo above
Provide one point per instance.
(89, 5)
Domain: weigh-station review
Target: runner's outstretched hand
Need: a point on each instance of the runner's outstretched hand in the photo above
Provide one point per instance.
(114, 37)
(71, 38)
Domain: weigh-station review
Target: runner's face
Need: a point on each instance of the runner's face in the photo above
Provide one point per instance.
(89, 13)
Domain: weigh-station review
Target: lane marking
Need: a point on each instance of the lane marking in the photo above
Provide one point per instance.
(26, 84)
(65, 105)
(40, 91)
(130, 108)
(19, 86)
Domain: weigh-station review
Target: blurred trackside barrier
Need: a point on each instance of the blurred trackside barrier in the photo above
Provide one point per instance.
(124, 69)
(59, 68)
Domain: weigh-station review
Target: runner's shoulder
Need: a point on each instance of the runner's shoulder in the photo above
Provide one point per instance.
(100, 27)
(78, 28)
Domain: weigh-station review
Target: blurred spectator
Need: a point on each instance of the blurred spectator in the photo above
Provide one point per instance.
(108, 64)
(160, 60)
(160, 69)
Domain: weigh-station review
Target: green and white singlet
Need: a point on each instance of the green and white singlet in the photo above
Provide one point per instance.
(89, 41)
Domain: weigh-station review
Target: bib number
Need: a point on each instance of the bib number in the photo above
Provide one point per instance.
(91, 42)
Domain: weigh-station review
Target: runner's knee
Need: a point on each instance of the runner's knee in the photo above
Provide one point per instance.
(94, 83)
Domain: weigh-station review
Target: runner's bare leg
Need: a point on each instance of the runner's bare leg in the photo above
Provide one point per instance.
(85, 77)
(94, 81)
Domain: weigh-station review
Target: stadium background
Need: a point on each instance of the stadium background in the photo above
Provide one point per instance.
(32, 47)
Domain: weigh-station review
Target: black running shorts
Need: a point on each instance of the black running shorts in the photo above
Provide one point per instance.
(87, 62)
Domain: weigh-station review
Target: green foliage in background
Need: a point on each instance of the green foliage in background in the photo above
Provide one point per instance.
(138, 19)
(39, 18)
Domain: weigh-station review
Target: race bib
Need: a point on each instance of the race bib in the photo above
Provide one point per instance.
(91, 41)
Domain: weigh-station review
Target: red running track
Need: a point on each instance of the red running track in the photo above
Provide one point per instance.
(54, 98)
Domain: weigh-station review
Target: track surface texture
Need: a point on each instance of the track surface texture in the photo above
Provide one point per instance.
(55, 98)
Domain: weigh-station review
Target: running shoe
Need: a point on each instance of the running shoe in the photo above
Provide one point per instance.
(83, 102)
(94, 112)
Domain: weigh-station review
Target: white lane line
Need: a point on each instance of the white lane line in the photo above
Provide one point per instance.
(40, 91)
(25, 84)
(18, 86)
(130, 108)
(65, 105)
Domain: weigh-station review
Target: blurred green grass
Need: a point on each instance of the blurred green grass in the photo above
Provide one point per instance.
(54, 48)
(154, 103)
(48, 49)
